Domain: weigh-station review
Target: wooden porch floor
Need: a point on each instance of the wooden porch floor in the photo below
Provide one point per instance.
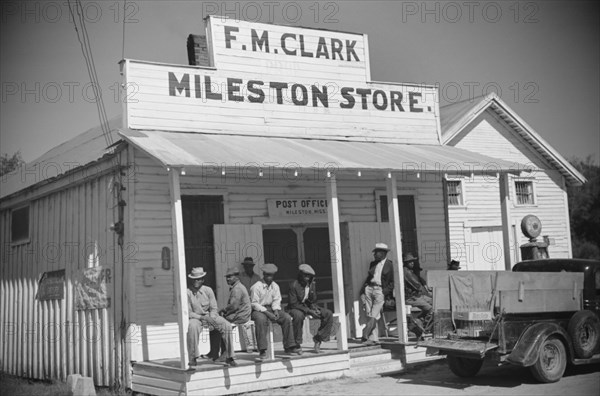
(164, 377)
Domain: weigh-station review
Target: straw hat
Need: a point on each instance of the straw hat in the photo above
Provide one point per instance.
(197, 273)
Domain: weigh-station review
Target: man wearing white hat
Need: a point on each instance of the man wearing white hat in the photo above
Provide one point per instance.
(379, 283)
(302, 302)
(203, 311)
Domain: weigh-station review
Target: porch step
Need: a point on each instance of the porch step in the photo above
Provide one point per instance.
(372, 368)
(374, 360)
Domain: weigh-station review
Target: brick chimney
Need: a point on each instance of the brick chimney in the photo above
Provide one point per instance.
(197, 50)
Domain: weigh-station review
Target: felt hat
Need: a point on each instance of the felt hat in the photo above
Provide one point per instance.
(197, 273)
(307, 269)
(381, 246)
(408, 257)
(454, 263)
(232, 271)
(269, 268)
(248, 261)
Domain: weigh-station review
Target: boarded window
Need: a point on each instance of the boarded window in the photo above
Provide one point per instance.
(455, 195)
(524, 191)
(19, 224)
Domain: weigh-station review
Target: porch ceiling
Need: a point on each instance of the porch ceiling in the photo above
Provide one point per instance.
(178, 149)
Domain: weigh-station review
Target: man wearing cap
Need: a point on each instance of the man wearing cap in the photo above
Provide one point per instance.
(238, 307)
(416, 293)
(248, 277)
(202, 308)
(303, 302)
(378, 285)
(454, 265)
(266, 305)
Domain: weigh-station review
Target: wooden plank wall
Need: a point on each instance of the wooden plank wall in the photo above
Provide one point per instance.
(482, 192)
(154, 109)
(69, 229)
(245, 203)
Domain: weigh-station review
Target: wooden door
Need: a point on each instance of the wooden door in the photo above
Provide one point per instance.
(486, 251)
(232, 243)
(200, 213)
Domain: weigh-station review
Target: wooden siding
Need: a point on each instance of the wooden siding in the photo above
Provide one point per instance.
(153, 107)
(69, 229)
(482, 194)
(246, 203)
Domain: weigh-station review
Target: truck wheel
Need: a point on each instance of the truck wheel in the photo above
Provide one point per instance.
(584, 330)
(552, 361)
(464, 367)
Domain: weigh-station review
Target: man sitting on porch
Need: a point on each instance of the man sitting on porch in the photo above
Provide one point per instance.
(417, 293)
(266, 306)
(248, 277)
(202, 308)
(378, 285)
(303, 302)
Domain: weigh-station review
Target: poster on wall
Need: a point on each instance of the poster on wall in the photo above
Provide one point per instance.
(90, 288)
(51, 286)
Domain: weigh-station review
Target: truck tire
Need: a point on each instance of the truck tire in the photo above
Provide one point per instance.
(464, 367)
(584, 330)
(551, 362)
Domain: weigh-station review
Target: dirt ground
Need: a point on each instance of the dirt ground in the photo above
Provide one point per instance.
(436, 379)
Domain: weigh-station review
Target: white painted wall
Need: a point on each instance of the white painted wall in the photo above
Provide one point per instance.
(491, 136)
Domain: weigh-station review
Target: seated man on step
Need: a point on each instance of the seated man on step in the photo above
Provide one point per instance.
(416, 293)
(303, 302)
(202, 308)
(266, 306)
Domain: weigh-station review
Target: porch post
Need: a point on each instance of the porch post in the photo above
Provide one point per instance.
(396, 246)
(505, 214)
(179, 265)
(335, 241)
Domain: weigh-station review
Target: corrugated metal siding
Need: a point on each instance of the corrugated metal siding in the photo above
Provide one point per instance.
(482, 193)
(49, 339)
(246, 203)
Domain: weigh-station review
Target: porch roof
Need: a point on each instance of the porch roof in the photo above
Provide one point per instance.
(180, 149)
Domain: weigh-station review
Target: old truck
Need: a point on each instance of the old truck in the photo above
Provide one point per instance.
(544, 315)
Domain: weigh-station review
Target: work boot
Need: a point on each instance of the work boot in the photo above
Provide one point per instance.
(231, 362)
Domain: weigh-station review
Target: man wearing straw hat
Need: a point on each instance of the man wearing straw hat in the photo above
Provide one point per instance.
(203, 311)
(379, 283)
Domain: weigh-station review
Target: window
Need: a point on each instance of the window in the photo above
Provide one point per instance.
(455, 193)
(524, 192)
(19, 225)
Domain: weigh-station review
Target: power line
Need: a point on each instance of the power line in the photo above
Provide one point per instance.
(87, 55)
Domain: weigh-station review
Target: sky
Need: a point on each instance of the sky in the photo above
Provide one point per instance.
(541, 57)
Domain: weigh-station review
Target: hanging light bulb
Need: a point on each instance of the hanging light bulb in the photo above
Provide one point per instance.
(260, 173)
(182, 171)
(359, 174)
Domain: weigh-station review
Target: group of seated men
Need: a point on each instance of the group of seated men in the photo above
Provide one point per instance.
(251, 297)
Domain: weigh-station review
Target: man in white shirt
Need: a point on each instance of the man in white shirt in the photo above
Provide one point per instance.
(265, 297)
(379, 283)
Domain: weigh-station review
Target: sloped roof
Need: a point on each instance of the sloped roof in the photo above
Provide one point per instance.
(180, 149)
(79, 151)
(456, 117)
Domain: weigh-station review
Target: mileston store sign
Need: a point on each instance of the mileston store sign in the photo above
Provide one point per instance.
(270, 80)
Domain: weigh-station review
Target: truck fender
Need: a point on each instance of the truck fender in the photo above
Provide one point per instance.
(526, 351)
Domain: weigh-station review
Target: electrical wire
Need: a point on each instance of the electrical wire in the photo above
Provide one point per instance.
(88, 58)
